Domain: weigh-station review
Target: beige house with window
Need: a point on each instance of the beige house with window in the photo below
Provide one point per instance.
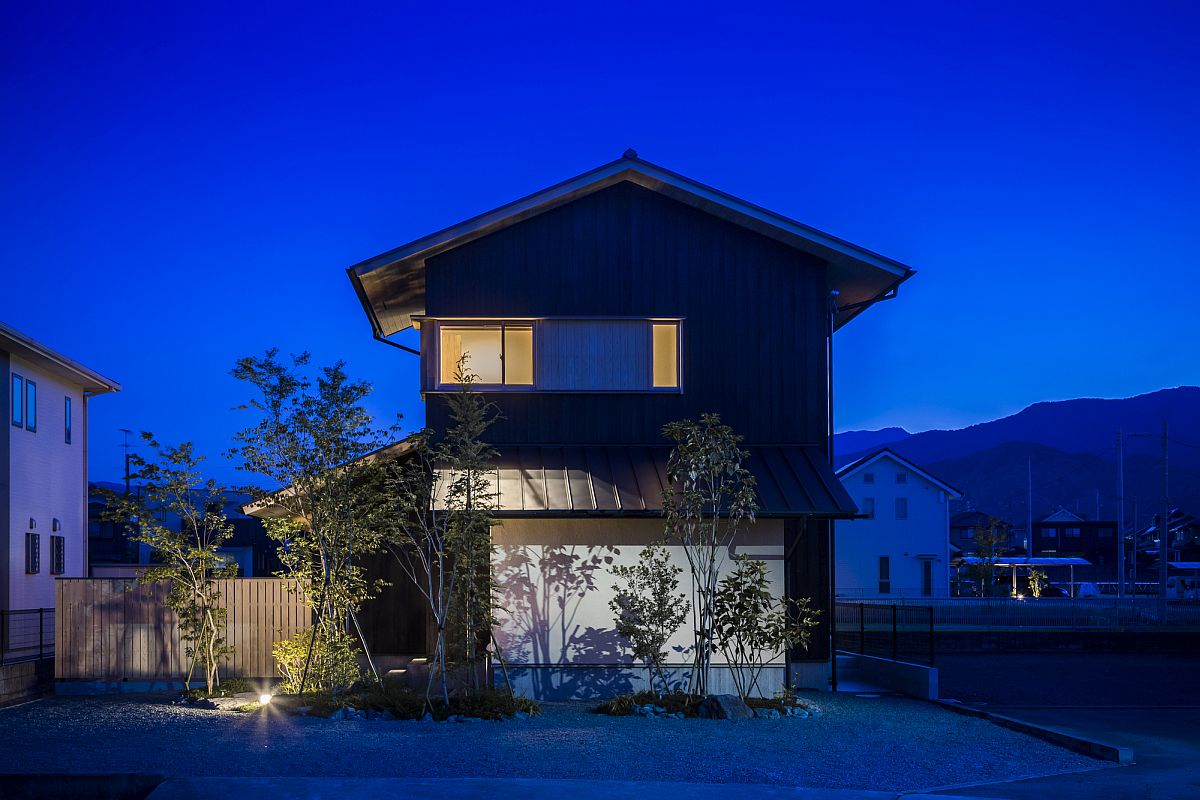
(43, 469)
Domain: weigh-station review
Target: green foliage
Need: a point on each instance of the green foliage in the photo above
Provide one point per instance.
(1037, 582)
(648, 606)
(753, 627)
(331, 661)
(310, 440)
(673, 702)
(403, 703)
(989, 539)
(181, 517)
(710, 497)
(437, 517)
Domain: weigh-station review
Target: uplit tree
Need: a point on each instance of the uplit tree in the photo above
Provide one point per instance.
(710, 497)
(181, 517)
(312, 442)
(648, 607)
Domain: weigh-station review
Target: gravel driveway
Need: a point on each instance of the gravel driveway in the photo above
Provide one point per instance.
(886, 743)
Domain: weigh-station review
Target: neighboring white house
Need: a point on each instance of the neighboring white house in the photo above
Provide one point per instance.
(43, 469)
(902, 548)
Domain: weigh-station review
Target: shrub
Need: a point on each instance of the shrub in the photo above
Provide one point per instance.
(334, 664)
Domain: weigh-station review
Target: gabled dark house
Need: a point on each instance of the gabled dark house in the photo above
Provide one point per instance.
(594, 312)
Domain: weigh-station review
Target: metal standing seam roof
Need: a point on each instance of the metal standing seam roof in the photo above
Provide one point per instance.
(629, 480)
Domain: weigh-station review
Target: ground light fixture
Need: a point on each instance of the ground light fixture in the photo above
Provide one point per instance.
(264, 699)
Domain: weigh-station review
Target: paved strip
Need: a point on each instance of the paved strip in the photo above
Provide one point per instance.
(525, 788)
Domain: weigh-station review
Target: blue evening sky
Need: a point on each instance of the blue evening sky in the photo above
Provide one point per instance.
(184, 186)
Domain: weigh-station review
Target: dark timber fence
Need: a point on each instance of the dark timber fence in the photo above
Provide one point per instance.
(892, 631)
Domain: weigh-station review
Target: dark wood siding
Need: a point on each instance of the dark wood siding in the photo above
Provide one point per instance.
(752, 341)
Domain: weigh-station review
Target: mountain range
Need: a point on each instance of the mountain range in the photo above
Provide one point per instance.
(1069, 448)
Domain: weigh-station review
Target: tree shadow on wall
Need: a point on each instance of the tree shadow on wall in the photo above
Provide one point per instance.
(540, 594)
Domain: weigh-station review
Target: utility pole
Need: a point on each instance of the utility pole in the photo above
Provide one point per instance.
(1120, 514)
(125, 447)
(1029, 513)
(1164, 543)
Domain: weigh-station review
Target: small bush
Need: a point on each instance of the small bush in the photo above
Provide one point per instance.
(403, 703)
(623, 705)
(334, 664)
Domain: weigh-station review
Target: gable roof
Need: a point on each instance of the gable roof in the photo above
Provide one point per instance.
(17, 343)
(1062, 515)
(866, 461)
(391, 285)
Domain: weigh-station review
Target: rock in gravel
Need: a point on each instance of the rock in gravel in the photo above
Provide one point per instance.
(521, 715)
(725, 706)
(801, 713)
(766, 713)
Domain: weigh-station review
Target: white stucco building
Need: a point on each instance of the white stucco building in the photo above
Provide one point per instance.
(902, 546)
(43, 469)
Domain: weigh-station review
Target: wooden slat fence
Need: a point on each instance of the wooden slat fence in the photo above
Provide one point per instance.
(113, 629)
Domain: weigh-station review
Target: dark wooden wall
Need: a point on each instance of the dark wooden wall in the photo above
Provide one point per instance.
(753, 339)
(806, 574)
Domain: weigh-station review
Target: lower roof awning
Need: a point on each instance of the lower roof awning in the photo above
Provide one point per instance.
(793, 481)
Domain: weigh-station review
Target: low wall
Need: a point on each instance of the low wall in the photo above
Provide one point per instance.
(26, 680)
(914, 680)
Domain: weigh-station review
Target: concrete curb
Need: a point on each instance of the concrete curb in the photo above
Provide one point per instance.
(1080, 744)
(528, 788)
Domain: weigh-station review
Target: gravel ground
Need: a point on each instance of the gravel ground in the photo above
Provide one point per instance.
(886, 743)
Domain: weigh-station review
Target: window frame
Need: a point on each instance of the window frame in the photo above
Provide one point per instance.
(68, 407)
(885, 575)
(33, 553)
(16, 394)
(31, 419)
(927, 577)
(434, 342)
(871, 502)
(483, 325)
(58, 555)
(901, 502)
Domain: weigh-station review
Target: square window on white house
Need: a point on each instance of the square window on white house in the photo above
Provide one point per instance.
(17, 401)
(901, 477)
(901, 508)
(868, 507)
(30, 406)
(868, 477)
(1072, 533)
(58, 555)
(33, 553)
(968, 533)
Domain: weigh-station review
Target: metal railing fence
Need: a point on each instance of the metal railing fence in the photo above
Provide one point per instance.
(966, 613)
(26, 635)
(886, 630)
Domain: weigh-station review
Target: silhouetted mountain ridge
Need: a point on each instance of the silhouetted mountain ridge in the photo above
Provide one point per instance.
(1071, 447)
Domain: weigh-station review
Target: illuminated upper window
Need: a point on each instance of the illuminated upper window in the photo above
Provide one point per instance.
(559, 354)
(666, 354)
(499, 354)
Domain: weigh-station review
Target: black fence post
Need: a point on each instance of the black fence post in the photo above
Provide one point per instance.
(3, 636)
(895, 642)
(41, 633)
(862, 629)
(931, 647)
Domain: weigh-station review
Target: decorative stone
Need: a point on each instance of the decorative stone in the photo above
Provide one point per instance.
(427, 718)
(800, 712)
(725, 706)
(521, 715)
(766, 713)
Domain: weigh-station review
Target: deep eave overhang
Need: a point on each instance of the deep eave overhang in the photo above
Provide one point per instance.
(391, 286)
(28, 349)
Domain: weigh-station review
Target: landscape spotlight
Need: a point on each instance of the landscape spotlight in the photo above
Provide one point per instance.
(264, 699)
